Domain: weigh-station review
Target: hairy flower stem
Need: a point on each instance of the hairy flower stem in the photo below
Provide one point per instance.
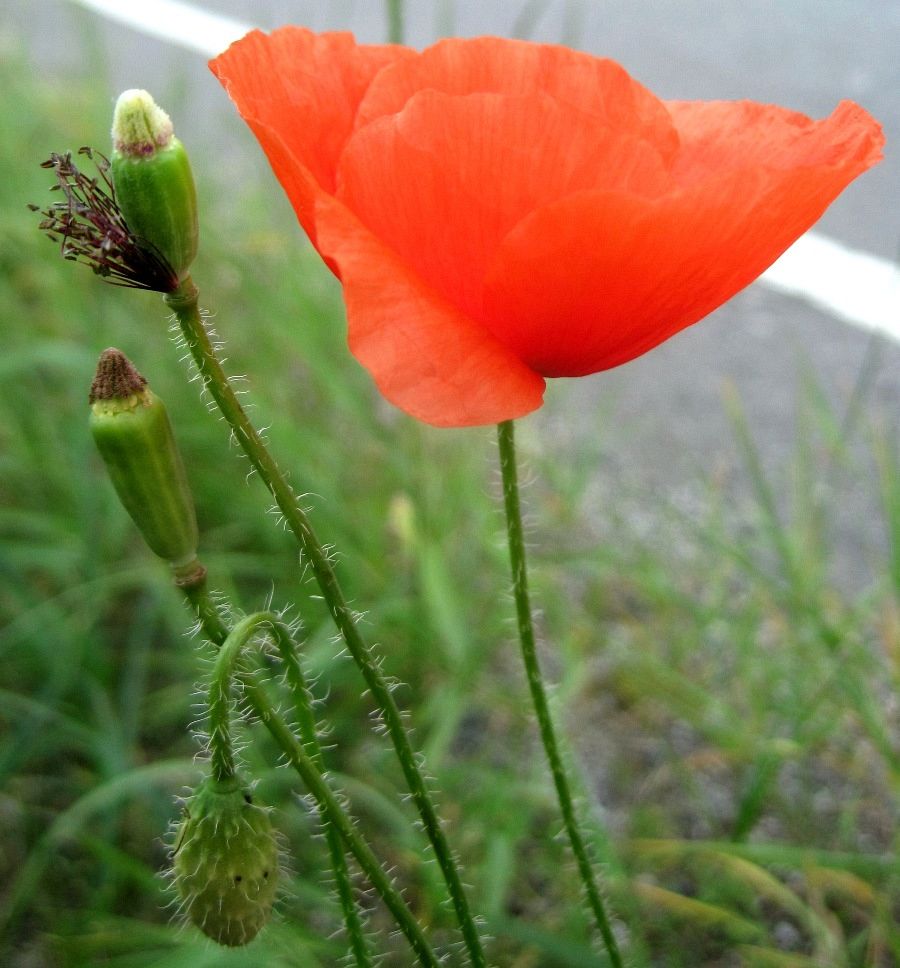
(216, 631)
(506, 440)
(306, 724)
(224, 672)
(184, 304)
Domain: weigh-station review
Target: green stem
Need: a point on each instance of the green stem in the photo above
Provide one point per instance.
(395, 21)
(506, 440)
(224, 672)
(184, 304)
(306, 723)
(216, 630)
(211, 621)
(221, 749)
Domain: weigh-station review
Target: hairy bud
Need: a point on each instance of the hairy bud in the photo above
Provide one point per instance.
(226, 862)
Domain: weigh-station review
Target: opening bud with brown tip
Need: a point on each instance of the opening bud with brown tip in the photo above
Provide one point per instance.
(131, 428)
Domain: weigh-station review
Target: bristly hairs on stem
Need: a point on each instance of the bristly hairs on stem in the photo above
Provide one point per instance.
(540, 701)
(89, 227)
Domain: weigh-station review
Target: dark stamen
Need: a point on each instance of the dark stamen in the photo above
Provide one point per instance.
(90, 228)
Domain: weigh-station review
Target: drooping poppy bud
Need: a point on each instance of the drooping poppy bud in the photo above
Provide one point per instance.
(153, 180)
(133, 433)
(225, 862)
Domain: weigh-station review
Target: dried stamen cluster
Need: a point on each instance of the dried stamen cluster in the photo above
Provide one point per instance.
(90, 228)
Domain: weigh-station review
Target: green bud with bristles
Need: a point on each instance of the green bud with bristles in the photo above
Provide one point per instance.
(131, 428)
(153, 180)
(225, 862)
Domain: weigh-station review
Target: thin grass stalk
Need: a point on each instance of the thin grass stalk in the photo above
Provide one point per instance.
(184, 304)
(506, 440)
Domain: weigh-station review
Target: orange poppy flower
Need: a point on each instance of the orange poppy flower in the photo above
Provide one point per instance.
(499, 211)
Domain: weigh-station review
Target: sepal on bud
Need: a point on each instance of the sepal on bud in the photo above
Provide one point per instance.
(132, 431)
(153, 180)
(225, 862)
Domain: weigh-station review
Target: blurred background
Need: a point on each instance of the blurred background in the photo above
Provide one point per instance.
(715, 541)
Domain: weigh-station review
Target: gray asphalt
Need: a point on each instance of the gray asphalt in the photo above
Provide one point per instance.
(653, 433)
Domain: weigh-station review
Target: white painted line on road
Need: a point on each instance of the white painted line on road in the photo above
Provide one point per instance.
(178, 23)
(850, 285)
(854, 286)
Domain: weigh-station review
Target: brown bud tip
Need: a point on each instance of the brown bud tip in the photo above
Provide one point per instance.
(116, 377)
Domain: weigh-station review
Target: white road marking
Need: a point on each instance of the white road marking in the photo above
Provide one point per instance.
(850, 285)
(847, 283)
(183, 24)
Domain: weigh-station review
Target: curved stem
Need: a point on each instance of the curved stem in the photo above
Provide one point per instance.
(216, 631)
(184, 303)
(224, 671)
(506, 440)
(221, 749)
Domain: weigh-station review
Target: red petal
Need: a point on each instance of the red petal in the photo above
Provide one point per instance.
(720, 136)
(499, 66)
(595, 280)
(442, 182)
(299, 92)
(524, 209)
(425, 356)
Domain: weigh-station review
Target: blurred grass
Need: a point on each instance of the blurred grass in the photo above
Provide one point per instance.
(732, 706)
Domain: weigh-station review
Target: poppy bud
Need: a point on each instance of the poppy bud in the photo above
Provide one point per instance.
(132, 431)
(226, 862)
(153, 181)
